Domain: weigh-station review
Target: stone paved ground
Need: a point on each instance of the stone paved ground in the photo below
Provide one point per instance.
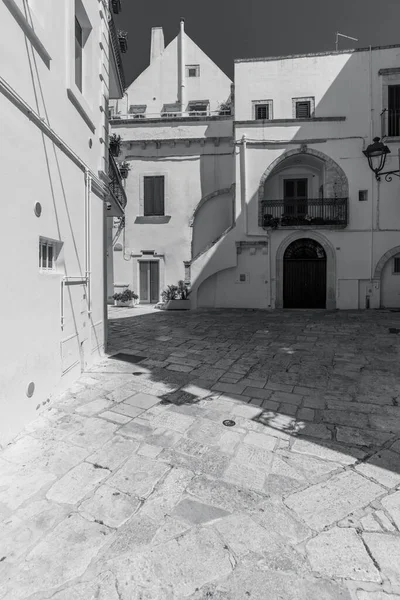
(129, 487)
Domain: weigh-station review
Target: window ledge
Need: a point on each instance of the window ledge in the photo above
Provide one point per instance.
(29, 31)
(273, 122)
(81, 106)
(392, 139)
(161, 220)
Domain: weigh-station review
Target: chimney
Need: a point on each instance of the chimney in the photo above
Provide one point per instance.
(157, 43)
(181, 60)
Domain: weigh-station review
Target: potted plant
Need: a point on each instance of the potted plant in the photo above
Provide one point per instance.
(176, 297)
(115, 144)
(125, 298)
(270, 221)
(225, 108)
(123, 41)
(124, 169)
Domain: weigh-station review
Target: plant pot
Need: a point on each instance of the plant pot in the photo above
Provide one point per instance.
(177, 305)
(128, 304)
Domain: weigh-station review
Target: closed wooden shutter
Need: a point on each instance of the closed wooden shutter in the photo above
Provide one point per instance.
(394, 110)
(303, 110)
(154, 196)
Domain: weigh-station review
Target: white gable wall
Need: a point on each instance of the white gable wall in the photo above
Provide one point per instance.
(159, 83)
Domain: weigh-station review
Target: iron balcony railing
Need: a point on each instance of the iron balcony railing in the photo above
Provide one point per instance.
(390, 122)
(171, 115)
(300, 212)
(116, 48)
(116, 186)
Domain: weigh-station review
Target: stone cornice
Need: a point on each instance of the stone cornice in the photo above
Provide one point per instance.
(274, 122)
(172, 142)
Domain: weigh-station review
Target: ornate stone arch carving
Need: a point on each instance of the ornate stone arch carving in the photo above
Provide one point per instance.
(330, 266)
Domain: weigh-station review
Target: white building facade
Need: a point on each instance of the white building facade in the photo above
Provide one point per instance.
(313, 227)
(176, 128)
(270, 203)
(60, 63)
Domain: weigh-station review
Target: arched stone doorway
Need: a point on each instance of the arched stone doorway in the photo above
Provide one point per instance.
(387, 276)
(304, 275)
(330, 266)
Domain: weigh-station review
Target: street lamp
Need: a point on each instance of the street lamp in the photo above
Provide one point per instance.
(376, 154)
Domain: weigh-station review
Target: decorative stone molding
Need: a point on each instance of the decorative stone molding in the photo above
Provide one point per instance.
(330, 266)
(336, 182)
(217, 141)
(383, 260)
(250, 245)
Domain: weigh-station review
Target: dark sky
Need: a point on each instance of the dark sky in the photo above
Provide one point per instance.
(229, 29)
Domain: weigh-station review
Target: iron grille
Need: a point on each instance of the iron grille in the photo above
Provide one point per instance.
(116, 186)
(309, 212)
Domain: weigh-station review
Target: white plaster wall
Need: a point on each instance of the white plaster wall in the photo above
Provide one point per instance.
(211, 220)
(158, 84)
(390, 286)
(38, 171)
(191, 173)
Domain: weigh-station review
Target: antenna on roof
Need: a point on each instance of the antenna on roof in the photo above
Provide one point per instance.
(345, 36)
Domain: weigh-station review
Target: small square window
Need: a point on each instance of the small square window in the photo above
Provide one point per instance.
(192, 70)
(48, 254)
(242, 277)
(303, 108)
(262, 110)
(362, 195)
(396, 265)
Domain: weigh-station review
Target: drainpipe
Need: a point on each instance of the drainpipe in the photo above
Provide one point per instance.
(88, 256)
(371, 133)
(243, 183)
(181, 55)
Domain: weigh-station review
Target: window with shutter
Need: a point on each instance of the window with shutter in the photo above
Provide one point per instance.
(396, 265)
(303, 110)
(394, 110)
(262, 111)
(154, 196)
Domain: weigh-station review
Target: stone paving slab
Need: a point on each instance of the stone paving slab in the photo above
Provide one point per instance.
(129, 486)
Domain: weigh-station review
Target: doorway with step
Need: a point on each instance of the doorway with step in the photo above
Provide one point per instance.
(149, 282)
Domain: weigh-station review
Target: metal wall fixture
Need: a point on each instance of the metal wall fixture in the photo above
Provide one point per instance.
(376, 154)
(38, 209)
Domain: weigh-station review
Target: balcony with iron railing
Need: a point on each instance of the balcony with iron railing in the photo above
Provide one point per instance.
(190, 114)
(116, 186)
(390, 123)
(299, 212)
(116, 38)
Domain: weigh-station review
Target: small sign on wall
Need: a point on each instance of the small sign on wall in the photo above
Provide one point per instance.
(243, 278)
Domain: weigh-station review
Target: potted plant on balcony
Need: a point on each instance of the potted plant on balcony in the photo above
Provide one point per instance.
(270, 221)
(124, 169)
(125, 298)
(123, 41)
(225, 109)
(115, 144)
(176, 297)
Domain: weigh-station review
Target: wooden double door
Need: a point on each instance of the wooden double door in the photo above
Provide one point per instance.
(149, 286)
(304, 275)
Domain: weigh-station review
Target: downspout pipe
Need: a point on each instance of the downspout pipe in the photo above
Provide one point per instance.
(88, 256)
(181, 58)
(243, 183)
